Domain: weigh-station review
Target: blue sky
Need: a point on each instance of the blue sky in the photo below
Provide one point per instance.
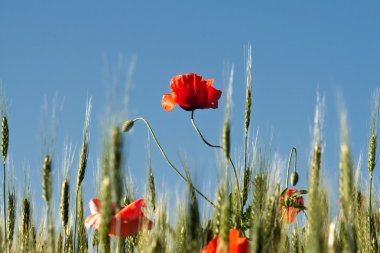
(75, 50)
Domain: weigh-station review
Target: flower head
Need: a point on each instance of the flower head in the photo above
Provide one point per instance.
(191, 92)
(291, 204)
(236, 244)
(128, 221)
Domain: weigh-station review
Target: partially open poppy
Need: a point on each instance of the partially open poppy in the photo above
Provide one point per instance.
(291, 204)
(128, 221)
(236, 244)
(191, 92)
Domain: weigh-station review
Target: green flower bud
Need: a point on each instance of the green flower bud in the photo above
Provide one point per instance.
(294, 178)
(127, 126)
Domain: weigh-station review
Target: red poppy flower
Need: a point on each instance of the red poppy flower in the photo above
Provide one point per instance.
(191, 92)
(129, 220)
(291, 204)
(236, 244)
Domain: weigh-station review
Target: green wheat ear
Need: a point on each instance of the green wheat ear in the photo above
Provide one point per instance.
(151, 184)
(4, 152)
(314, 212)
(372, 153)
(246, 185)
(315, 236)
(82, 165)
(47, 193)
(226, 125)
(11, 219)
(218, 211)
(25, 217)
(371, 165)
(27, 232)
(95, 240)
(225, 215)
(247, 120)
(248, 93)
(64, 204)
(346, 188)
(46, 179)
(158, 240)
(117, 182)
(4, 138)
(181, 232)
(193, 222)
(116, 162)
(69, 247)
(373, 131)
(84, 151)
(295, 242)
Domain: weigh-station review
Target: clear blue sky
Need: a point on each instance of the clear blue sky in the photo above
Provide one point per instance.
(73, 49)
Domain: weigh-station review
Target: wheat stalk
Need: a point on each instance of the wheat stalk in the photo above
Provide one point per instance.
(59, 243)
(4, 153)
(247, 120)
(11, 219)
(82, 163)
(345, 185)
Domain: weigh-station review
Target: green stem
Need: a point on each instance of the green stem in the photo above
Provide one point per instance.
(5, 210)
(294, 150)
(370, 196)
(75, 218)
(64, 239)
(245, 149)
(168, 161)
(50, 228)
(215, 146)
(370, 211)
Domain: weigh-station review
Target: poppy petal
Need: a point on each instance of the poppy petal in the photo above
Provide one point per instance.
(125, 228)
(94, 206)
(291, 215)
(242, 245)
(184, 91)
(236, 244)
(198, 96)
(213, 97)
(168, 102)
(233, 237)
(191, 92)
(132, 211)
(209, 82)
(92, 221)
(211, 246)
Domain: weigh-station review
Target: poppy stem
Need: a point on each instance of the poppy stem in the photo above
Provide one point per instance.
(168, 161)
(201, 135)
(294, 150)
(215, 146)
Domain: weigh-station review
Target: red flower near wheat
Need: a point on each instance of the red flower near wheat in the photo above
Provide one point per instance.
(128, 221)
(291, 204)
(236, 244)
(191, 92)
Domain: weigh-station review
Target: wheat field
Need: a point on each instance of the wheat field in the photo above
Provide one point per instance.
(252, 210)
